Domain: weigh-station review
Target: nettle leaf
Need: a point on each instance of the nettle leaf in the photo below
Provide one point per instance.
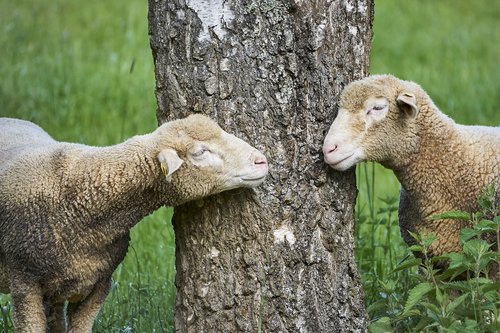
(411, 313)
(486, 225)
(459, 285)
(468, 233)
(492, 286)
(456, 302)
(492, 301)
(375, 307)
(441, 297)
(460, 270)
(482, 280)
(476, 247)
(458, 327)
(439, 259)
(432, 308)
(487, 197)
(453, 215)
(423, 323)
(416, 248)
(428, 239)
(382, 325)
(457, 259)
(408, 264)
(415, 236)
(388, 286)
(486, 259)
(416, 294)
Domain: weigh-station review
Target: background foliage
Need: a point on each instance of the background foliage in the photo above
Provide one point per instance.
(84, 72)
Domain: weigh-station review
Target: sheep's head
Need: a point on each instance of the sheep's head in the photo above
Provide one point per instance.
(198, 158)
(375, 122)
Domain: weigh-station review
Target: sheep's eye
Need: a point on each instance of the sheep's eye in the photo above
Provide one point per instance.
(376, 108)
(199, 152)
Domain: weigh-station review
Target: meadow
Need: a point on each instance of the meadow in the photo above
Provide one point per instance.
(84, 72)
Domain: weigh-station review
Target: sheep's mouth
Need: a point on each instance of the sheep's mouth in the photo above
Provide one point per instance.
(334, 163)
(253, 179)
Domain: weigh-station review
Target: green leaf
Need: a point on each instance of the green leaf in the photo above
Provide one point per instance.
(432, 309)
(482, 280)
(424, 322)
(441, 298)
(375, 307)
(490, 286)
(456, 259)
(489, 305)
(415, 236)
(487, 197)
(468, 233)
(407, 264)
(453, 215)
(416, 248)
(476, 247)
(388, 286)
(459, 285)
(428, 239)
(451, 273)
(411, 313)
(416, 294)
(486, 225)
(383, 325)
(456, 302)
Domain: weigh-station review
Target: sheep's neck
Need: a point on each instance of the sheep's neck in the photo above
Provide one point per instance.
(118, 182)
(438, 167)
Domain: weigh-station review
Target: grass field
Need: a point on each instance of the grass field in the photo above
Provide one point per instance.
(84, 72)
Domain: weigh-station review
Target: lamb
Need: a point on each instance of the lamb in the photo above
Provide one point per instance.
(66, 209)
(442, 166)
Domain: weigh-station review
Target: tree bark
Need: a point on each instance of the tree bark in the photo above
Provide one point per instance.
(279, 258)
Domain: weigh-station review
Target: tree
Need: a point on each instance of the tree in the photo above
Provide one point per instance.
(278, 259)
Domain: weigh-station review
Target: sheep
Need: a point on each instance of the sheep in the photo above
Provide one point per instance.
(66, 209)
(442, 166)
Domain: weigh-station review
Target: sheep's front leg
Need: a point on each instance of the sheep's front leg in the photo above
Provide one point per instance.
(56, 317)
(81, 315)
(28, 309)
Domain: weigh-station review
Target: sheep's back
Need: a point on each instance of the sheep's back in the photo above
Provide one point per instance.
(27, 181)
(483, 144)
(17, 132)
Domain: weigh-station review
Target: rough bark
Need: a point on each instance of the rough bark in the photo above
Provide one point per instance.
(280, 258)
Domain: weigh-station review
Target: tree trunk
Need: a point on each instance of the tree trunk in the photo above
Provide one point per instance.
(279, 258)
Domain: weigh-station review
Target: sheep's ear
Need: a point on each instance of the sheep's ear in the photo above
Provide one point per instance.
(169, 161)
(408, 103)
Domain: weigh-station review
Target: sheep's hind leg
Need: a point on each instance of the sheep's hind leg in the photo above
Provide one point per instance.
(81, 315)
(28, 309)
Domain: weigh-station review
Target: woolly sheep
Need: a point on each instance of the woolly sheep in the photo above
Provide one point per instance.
(442, 166)
(66, 209)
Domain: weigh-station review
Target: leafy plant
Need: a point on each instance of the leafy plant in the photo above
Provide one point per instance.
(463, 297)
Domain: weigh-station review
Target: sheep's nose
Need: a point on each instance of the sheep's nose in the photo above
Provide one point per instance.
(329, 149)
(260, 160)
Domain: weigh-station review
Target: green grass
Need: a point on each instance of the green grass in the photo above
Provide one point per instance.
(84, 72)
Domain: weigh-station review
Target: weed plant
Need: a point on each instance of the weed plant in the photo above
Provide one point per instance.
(417, 296)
